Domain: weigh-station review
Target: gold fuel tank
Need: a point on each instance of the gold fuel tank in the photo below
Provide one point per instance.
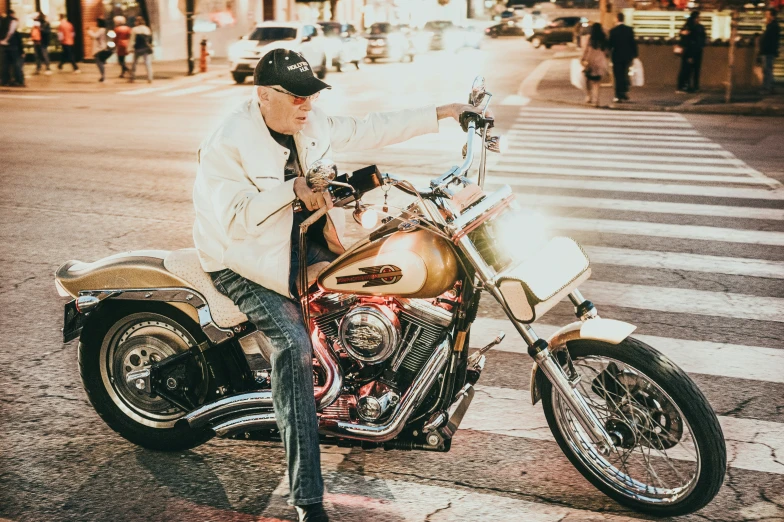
(415, 264)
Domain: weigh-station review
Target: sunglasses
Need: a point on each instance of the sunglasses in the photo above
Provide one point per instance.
(298, 100)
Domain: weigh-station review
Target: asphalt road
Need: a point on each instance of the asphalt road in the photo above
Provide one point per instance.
(681, 215)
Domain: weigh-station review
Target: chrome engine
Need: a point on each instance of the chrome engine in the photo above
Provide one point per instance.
(383, 342)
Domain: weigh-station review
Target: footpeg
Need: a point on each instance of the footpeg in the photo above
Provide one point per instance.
(473, 360)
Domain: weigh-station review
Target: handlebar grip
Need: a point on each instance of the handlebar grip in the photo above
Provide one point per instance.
(318, 214)
(467, 117)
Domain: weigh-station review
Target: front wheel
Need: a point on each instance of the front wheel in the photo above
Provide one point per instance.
(669, 456)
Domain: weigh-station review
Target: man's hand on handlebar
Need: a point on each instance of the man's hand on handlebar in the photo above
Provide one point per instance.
(311, 200)
(454, 110)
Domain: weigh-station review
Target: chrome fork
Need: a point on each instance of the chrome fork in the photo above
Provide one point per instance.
(539, 350)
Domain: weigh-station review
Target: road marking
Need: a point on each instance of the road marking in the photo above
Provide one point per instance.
(523, 153)
(685, 301)
(516, 100)
(27, 97)
(597, 116)
(601, 173)
(595, 113)
(516, 146)
(189, 90)
(582, 136)
(642, 228)
(225, 93)
(751, 444)
(631, 186)
(631, 165)
(146, 90)
(657, 207)
(612, 124)
(604, 130)
(704, 357)
(688, 262)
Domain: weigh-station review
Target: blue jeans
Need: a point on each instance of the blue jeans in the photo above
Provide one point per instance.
(279, 318)
(767, 73)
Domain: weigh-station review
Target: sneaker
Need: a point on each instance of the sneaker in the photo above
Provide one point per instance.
(100, 80)
(77, 71)
(48, 72)
(312, 513)
(680, 91)
(617, 100)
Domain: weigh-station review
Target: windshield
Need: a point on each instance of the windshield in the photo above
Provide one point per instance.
(380, 28)
(438, 26)
(268, 34)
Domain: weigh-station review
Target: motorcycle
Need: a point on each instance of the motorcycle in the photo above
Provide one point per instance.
(168, 362)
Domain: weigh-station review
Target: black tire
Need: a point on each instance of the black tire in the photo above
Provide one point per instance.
(547, 45)
(239, 78)
(102, 330)
(705, 428)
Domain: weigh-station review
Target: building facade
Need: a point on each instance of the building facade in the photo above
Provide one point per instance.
(221, 22)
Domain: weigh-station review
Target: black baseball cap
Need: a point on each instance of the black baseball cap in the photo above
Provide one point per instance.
(290, 70)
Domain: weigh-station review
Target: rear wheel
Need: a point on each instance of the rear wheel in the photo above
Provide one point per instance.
(125, 340)
(669, 456)
(239, 78)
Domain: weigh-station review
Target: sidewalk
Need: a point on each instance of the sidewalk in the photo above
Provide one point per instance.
(66, 81)
(555, 87)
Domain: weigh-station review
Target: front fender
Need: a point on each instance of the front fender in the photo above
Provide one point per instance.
(596, 329)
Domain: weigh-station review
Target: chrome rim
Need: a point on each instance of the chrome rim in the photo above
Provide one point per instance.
(131, 345)
(655, 459)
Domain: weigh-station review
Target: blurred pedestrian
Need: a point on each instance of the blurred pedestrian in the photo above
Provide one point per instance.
(624, 50)
(122, 40)
(101, 51)
(594, 61)
(769, 50)
(4, 23)
(41, 34)
(13, 53)
(693, 41)
(141, 38)
(65, 33)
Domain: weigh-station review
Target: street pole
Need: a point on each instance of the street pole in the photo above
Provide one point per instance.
(189, 8)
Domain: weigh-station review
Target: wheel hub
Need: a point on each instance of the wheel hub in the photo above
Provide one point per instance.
(134, 354)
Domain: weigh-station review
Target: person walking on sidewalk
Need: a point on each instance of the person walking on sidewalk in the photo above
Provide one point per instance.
(101, 51)
(693, 40)
(769, 50)
(122, 40)
(13, 53)
(41, 34)
(141, 36)
(65, 33)
(595, 62)
(624, 51)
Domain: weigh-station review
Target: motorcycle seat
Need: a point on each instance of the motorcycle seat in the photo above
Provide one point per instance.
(185, 265)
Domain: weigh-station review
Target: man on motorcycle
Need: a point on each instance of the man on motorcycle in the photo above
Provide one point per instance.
(250, 172)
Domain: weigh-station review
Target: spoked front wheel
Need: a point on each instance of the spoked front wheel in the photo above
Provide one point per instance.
(669, 456)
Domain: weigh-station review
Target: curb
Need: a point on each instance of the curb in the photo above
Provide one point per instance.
(113, 87)
(731, 109)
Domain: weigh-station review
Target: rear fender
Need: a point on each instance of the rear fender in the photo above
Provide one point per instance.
(596, 329)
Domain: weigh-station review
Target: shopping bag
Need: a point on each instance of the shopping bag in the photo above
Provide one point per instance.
(576, 75)
(637, 73)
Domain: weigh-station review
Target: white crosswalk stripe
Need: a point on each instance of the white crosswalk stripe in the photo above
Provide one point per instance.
(643, 166)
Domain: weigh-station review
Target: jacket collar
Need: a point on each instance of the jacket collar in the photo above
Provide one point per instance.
(304, 143)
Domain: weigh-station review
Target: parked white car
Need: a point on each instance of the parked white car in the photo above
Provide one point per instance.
(345, 44)
(306, 39)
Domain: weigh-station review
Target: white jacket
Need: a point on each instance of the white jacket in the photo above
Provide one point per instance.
(243, 206)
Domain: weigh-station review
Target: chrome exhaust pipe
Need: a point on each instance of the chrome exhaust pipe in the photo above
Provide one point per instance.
(245, 423)
(262, 400)
(409, 403)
